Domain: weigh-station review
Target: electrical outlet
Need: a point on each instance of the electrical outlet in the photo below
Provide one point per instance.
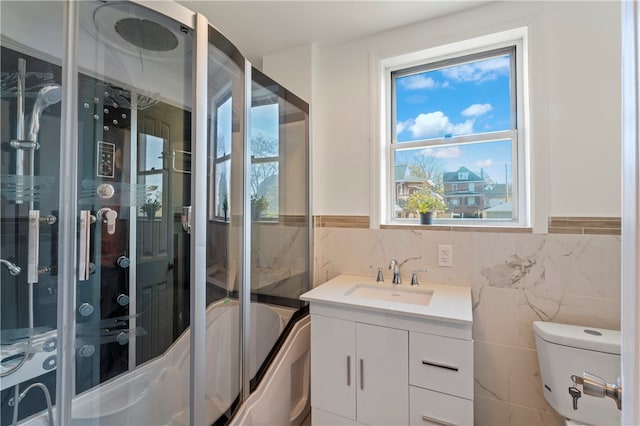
(445, 255)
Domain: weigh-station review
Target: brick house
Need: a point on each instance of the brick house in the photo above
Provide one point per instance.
(464, 193)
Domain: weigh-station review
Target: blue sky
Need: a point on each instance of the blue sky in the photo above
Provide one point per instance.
(458, 100)
(265, 121)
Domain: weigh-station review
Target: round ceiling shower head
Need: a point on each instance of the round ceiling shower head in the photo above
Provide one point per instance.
(134, 30)
(147, 35)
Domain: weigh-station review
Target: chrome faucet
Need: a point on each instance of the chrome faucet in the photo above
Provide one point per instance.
(396, 271)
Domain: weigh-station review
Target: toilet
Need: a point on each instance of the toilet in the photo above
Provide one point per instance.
(565, 350)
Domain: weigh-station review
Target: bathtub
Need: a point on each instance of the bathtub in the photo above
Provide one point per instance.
(157, 392)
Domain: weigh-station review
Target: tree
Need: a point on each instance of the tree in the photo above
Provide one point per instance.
(264, 173)
(426, 166)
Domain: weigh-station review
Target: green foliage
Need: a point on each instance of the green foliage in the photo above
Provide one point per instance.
(259, 203)
(151, 206)
(426, 200)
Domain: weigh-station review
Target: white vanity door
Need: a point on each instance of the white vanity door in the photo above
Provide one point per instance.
(382, 375)
(333, 378)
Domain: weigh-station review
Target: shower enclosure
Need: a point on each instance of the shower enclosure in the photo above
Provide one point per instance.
(155, 227)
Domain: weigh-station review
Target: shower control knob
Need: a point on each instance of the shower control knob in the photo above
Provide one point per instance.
(109, 217)
(123, 338)
(86, 351)
(122, 299)
(85, 309)
(123, 262)
(105, 191)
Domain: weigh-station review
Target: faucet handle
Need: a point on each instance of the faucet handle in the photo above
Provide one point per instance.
(414, 276)
(379, 277)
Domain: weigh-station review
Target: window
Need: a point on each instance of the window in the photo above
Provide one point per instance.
(151, 174)
(453, 125)
(264, 149)
(222, 160)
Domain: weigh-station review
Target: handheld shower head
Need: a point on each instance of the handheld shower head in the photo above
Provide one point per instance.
(48, 95)
(12, 267)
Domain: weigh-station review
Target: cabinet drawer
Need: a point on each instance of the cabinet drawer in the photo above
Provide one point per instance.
(437, 409)
(442, 364)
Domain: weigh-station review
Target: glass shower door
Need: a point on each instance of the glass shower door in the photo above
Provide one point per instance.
(134, 180)
(129, 307)
(30, 112)
(224, 254)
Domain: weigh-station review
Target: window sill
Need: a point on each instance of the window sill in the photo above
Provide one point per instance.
(459, 228)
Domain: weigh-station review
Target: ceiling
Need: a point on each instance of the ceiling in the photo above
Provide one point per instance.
(260, 28)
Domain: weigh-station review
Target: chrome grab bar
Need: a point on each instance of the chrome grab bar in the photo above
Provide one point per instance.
(184, 159)
(33, 253)
(84, 246)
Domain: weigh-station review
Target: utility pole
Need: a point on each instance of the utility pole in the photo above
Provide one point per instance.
(506, 184)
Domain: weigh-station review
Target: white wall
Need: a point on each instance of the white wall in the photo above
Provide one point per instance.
(296, 67)
(515, 278)
(575, 103)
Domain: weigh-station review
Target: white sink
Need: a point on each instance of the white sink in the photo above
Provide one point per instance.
(391, 294)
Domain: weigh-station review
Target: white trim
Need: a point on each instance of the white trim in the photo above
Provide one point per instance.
(381, 159)
(630, 291)
(68, 220)
(198, 246)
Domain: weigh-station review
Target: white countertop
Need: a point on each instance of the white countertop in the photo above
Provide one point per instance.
(448, 302)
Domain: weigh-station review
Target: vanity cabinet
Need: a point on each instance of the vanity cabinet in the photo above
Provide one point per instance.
(390, 355)
(359, 373)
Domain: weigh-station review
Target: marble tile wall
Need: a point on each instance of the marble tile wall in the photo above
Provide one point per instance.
(515, 279)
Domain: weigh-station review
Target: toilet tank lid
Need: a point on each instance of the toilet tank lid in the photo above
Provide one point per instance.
(589, 338)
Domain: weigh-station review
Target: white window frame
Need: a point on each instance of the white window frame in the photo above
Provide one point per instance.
(383, 173)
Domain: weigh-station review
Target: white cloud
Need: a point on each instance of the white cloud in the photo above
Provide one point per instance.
(436, 124)
(448, 152)
(477, 109)
(485, 70)
(485, 163)
(418, 81)
(401, 126)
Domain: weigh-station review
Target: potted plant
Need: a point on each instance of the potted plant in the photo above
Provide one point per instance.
(258, 205)
(426, 202)
(150, 207)
(225, 208)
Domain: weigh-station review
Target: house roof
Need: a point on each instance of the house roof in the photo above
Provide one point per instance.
(495, 189)
(454, 176)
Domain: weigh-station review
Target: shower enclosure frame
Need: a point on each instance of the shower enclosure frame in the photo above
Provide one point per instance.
(68, 273)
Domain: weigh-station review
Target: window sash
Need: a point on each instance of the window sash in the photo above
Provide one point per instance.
(459, 60)
(510, 134)
(515, 184)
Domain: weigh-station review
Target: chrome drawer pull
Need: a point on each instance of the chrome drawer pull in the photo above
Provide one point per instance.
(361, 373)
(436, 421)
(440, 365)
(349, 370)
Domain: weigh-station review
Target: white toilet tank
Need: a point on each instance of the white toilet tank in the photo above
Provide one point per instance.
(564, 350)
